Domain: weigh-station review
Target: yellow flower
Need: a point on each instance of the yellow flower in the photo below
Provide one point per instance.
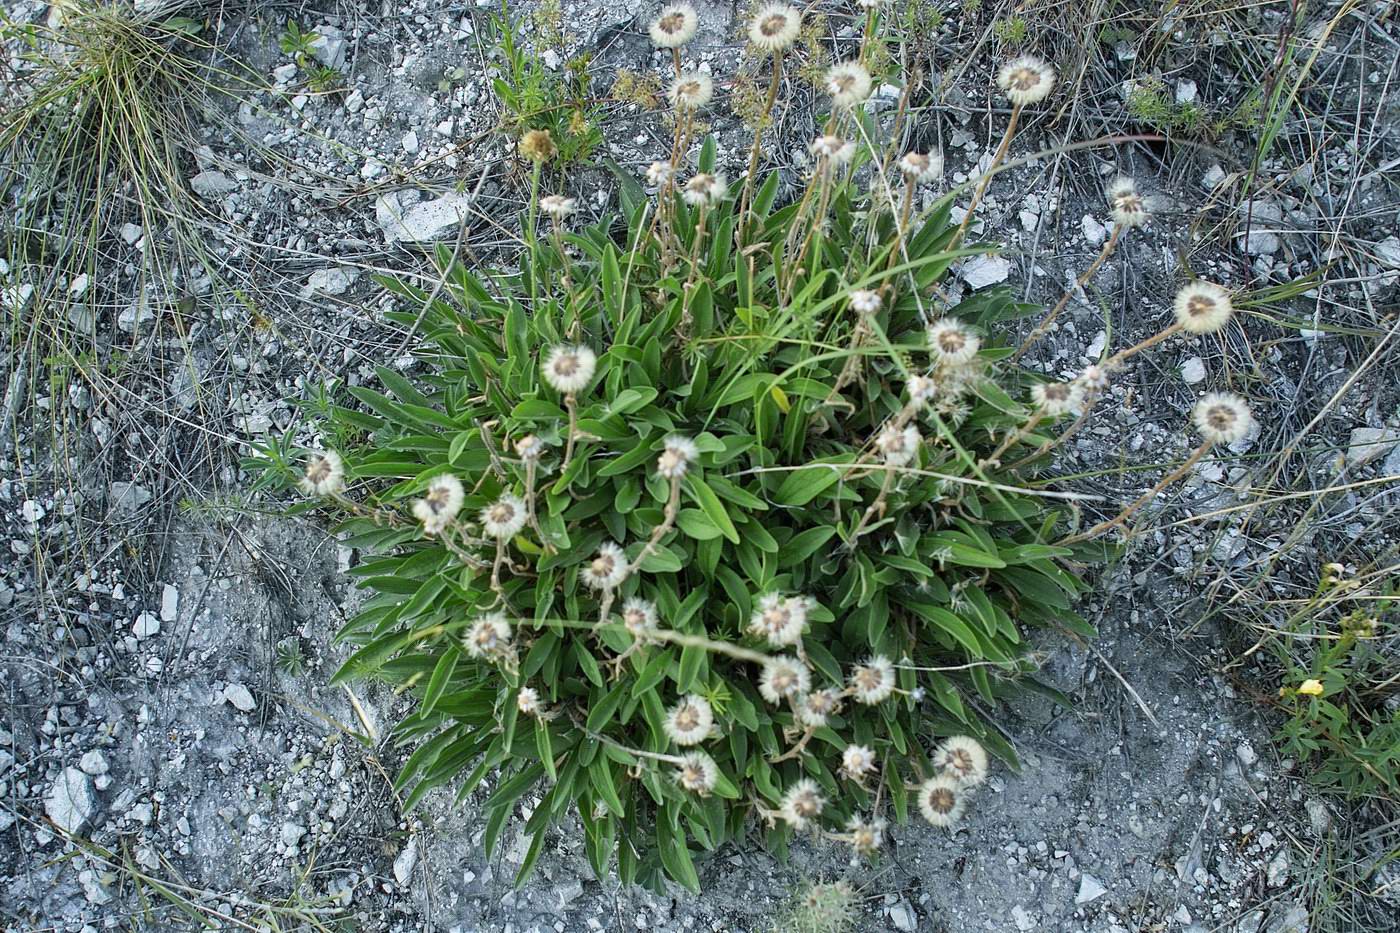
(1311, 687)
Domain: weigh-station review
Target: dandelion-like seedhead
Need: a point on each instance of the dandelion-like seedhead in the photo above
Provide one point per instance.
(639, 616)
(1026, 80)
(813, 709)
(607, 569)
(676, 457)
(783, 677)
(324, 476)
(867, 835)
(921, 167)
(1202, 308)
(691, 91)
(962, 758)
(489, 637)
(775, 27)
(1127, 207)
(848, 83)
(440, 504)
(697, 773)
(898, 446)
(568, 370)
(705, 189)
(1057, 398)
(873, 681)
(779, 620)
(557, 206)
(834, 149)
(538, 146)
(1222, 417)
(942, 801)
(660, 173)
(505, 517)
(529, 448)
(802, 803)
(674, 26)
(528, 701)
(865, 302)
(953, 343)
(921, 389)
(689, 722)
(857, 761)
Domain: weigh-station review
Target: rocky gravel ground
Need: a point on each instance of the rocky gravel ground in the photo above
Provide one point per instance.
(171, 756)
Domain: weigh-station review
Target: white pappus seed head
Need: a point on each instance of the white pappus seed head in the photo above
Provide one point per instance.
(864, 301)
(780, 620)
(857, 761)
(873, 681)
(529, 447)
(504, 518)
(1093, 377)
(816, 707)
(557, 206)
(942, 800)
(489, 636)
(697, 773)
(607, 569)
(1127, 207)
(705, 189)
(659, 173)
(440, 504)
(834, 149)
(802, 803)
(952, 342)
(528, 701)
(1222, 417)
(963, 758)
(921, 168)
(674, 26)
(866, 835)
(639, 616)
(691, 91)
(848, 83)
(921, 389)
(899, 446)
(325, 475)
(1202, 308)
(569, 369)
(775, 27)
(689, 722)
(1026, 80)
(1057, 398)
(782, 677)
(678, 453)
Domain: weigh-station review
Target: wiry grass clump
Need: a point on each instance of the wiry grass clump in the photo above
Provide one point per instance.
(720, 513)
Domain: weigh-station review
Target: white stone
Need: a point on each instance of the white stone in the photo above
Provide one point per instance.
(329, 282)
(145, 626)
(423, 222)
(902, 916)
(128, 497)
(31, 511)
(1185, 92)
(292, 833)
(70, 802)
(1022, 918)
(329, 47)
(1369, 444)
(212, 184)
(981, 271)
(1193, 371)
(1213, 176)
(1094, 231)
(1388, 251)
(93, 762)
(410, 142)
(239, 697)
(404, 864)
(1090, 889)
(169, 602)
(131, 234)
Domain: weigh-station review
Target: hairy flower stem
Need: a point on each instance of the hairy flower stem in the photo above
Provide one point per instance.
(571, 404)
(1142, 500)
(994, 458)
(852, 365)
(876, 508)
(757, 146)
(1117, 359)
(686, 640)
(1043, 326)
(987, 177)
(531, 474)
(1073, 429)
(797, 748)
(496, 569)
(694, 269)
(668, 521)
(530, 226)
(901, 229)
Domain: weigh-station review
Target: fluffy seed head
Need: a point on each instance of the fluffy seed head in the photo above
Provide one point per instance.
(873, 681)
(528, 701)
(705, 189)
(689, 721)
(866, 835)
(440, 504)
(952, 342)
(1093, 377)
(864, 301)
(1056, 398)
(697, 773)
(489, 636)
(898, 446)
(677, 456)
(848, 83)
(921, 389)
(529, 447)
(780, 620)
(538, 146)
(775, 27)
(639, 615)
(568, 369)
(857, 761)
(505, 517)
(557, 206)
(783, 676)
(1026, 80)
(836, 150)
(1222, 417)
(942, 800)
(691, 91)
(962, 758)
(674, 26)
(325, 475)
(607, 569)
(658, 173)
(1202, 308)
(802, 803)
(814, 708)
(1127, 207)
(921, 168)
